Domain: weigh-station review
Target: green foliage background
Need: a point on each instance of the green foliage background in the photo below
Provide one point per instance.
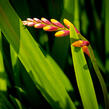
(42, 74)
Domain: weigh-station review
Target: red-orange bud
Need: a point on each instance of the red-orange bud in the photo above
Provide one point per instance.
(80, 43)
(85, 50)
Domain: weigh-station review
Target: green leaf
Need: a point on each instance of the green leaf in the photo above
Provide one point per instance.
(3, 79)
(4, 102)
(83, 77)
(76, 21)
(16, 102)
(107, 34)
(98, 73)
(58, 73)
(31, 56)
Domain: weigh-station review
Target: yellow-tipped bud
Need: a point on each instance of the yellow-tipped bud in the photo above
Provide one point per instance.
(57, 23)
(39, 25)
(54, 21)
(50, 28)
(45, 21)
(67, 23)
(62, 33)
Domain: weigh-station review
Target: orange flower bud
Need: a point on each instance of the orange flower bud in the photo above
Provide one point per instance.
(50, 28)
(62, 33)
(85, 50)
(57, 23)
(45, 21)
(80, 43)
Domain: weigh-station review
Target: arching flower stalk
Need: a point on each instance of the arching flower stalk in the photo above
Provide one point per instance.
(52, 25)
(61, 30)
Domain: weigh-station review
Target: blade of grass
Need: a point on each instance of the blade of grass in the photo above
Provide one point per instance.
(59, 74)
(3, 80)
(16, 103)
(99, 62)
(32, 58)
(76, 14)
(107, 35)
(83, 77)
(4, 102)
(98, 73)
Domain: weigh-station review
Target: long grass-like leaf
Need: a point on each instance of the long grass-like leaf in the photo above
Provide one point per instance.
(3, 80)
(98, 73)
(32, 58)
(83, 77)
(107, 33)
(76, 14)
(4, 102)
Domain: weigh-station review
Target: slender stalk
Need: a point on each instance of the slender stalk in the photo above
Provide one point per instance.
(76, 14)
(3, 82)
(107, 35)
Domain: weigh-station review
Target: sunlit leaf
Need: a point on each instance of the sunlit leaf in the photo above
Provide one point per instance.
(33, 59)
(83, 77)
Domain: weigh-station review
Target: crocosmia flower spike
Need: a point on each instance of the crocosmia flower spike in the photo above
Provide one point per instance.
(61, 30)
(54, 25)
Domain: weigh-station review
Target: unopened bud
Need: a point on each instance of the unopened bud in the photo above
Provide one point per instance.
(50, 28)
(37, 20)
(62, 33)
(67, 23)
(30, 24)
(85, 50)
(39, 25)
(29, 19)
(57, 23)
(80, 43)
(45, 21)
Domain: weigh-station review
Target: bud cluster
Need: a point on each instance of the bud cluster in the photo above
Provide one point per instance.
(61, 30)
(52, 25)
